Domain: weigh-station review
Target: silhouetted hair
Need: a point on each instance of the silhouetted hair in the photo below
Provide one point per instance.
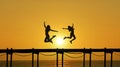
(48, 27)
(69, 28)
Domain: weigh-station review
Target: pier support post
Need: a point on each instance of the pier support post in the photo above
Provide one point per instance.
(105, 57)
(11, 57)
(7, 58)
(84, 58)
(90, 60)
(32, 57)
(62, 59)
(111, 58)
(56, 59)
(38, 59)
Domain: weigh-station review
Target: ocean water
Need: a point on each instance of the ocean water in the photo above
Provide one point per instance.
(52, 63)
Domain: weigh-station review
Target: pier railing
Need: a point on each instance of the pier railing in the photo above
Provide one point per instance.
(60, 51)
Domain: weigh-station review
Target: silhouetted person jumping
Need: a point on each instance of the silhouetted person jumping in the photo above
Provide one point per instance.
(47, 30)
(71, 30)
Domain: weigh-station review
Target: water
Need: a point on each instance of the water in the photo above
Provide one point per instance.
(67, 63)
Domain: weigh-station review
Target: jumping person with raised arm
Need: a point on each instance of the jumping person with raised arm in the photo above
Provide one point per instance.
(71, 30)
(47, 30)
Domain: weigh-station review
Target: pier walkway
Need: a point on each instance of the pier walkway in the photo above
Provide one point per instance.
(60, 51)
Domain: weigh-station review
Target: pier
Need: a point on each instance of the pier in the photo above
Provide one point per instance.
(62, 52)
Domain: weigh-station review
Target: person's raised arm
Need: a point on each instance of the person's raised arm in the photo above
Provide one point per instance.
(44, 24)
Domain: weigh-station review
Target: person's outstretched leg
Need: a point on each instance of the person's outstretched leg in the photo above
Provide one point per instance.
(68, 37)
(52, 38)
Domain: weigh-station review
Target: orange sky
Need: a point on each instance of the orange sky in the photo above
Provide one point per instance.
(96, 22)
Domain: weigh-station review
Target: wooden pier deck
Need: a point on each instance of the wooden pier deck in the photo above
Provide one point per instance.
(60, 51)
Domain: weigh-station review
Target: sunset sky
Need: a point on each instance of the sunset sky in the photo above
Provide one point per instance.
(96, 23)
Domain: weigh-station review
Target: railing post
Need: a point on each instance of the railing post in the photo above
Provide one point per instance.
(11, 52)
(7, 58)
(90, 58)
(84, 58)
(32, 57)
(57, 58)
(38, 59)
(62, 59)
(105, 57)
(111, 58)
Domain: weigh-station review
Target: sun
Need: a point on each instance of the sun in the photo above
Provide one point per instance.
(59, 41)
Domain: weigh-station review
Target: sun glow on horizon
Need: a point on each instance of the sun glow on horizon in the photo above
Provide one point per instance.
(59, 41)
